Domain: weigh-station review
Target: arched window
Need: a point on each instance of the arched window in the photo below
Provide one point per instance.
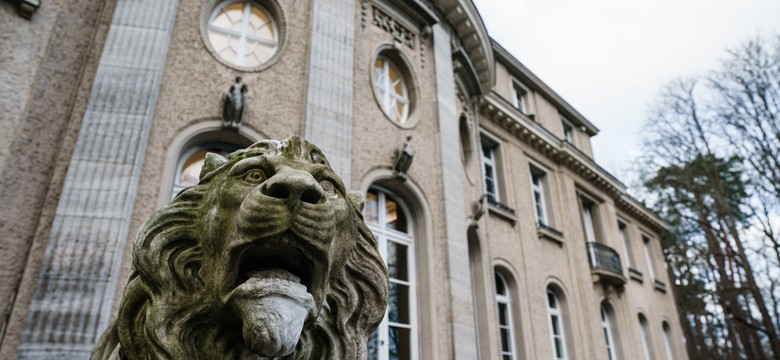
(668, 341)
(191, 162)
(557, 324)
(505, 322)
(608, 328)
(389, 221)
(645, 338)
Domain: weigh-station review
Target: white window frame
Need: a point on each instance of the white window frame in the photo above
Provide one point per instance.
(506, 300)
(383, 235)
(645, 337)
(385, 90)
(243, 35)
(568, 131)
(624, 242)
(520, 97)
(667, 340)
(538, 180)
(606, 326)
(553, 314)
(649, 256)
(492, 161)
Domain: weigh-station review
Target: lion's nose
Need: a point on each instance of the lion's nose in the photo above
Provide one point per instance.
(295, 186)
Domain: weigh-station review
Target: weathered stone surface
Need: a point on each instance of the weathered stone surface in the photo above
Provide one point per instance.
(267, 256)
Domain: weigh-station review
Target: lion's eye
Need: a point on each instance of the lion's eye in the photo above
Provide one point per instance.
(255, 176)
(328, 188)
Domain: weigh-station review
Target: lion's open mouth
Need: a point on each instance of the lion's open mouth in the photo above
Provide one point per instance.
(258, 261)
(275, 268)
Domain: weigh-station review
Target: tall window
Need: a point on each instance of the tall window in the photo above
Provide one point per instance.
(557, 334)
(648, 257)
(191, 162)
(519, 98)
(391, 89)
(588, 220)
(568, 132)
(505, 323)
(243, 33)
(668, 341)
(489, 149)
(538, 179)
(645, 338)
(396, 337)
(606, 326)
(623, 233)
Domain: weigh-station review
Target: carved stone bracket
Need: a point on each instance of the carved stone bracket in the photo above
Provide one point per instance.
(26, 8)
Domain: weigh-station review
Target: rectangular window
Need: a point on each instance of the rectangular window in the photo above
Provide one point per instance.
(520, 98)
(568, 132)
(623, 232)
(588, 219)
(489, 150)
(648, 256)
(538, 179)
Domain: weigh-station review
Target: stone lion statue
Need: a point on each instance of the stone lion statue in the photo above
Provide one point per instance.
(267, 257)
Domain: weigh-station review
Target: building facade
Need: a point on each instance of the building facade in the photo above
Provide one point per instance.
(504, 238)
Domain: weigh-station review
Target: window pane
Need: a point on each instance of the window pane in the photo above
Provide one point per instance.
(503, 318)
(500, 286)
(397, 260)
(558, 348)
(555, 325)
(371, 209)
(373, 346)
(398, 307)
(394, 216)
(551, 301)
(399, 343)
(505, 340)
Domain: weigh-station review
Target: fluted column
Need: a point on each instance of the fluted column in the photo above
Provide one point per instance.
(329, 95)
(79, 275)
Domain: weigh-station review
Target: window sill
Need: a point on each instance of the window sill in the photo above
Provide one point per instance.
(549, 233)
(502, 211)
(635, 274)
(659, 285)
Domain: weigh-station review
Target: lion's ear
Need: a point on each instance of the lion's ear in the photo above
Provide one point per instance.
(356, 197)
(213, 161)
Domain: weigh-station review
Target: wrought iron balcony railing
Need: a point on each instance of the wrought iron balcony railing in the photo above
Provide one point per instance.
(605, 262)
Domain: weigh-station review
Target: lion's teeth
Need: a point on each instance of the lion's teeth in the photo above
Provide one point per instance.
(274, 275)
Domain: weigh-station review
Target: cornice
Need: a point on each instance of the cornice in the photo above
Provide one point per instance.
(519, 70)
(500, 112)
(464, 18)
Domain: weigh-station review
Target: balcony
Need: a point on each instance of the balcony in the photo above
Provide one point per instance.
(605, 264)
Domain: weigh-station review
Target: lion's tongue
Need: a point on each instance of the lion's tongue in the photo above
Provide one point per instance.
(273, 306)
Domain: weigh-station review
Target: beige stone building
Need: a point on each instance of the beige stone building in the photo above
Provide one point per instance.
(504, 238)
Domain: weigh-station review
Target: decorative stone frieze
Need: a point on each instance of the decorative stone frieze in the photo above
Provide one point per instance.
(389, 24)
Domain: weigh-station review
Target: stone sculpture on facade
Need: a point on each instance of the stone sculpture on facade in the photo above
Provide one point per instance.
(403, 160)
(267, 257)
(233, 104)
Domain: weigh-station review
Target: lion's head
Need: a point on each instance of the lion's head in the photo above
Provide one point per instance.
(267, 256)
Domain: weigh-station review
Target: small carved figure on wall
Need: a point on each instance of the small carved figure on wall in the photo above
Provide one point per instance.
(403, 159)
(267, 257)
(233, 104)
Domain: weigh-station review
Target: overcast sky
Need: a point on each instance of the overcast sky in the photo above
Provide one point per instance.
(609, 58)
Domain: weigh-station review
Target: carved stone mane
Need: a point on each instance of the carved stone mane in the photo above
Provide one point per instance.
(268, 256)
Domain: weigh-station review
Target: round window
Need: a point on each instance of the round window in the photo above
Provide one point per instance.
(243, 34)
(391, 89)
